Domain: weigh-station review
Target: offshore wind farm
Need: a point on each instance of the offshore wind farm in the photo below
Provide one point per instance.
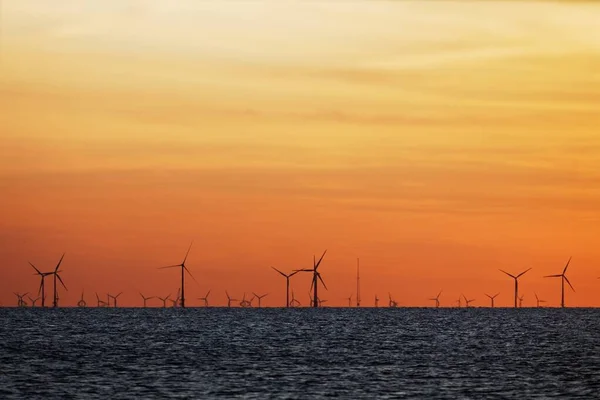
(299, 199)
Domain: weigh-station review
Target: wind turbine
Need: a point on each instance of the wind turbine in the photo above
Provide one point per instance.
(437, 299)
(516, 278)
(392, 303)
(205, 299)
(183, 271)
(349, 301)
(321, 302)
(42, 289)
(20, 301)
(177, 300)
(492, 298)
(538, 300)
(146, 298)
(229, 299)
(563, 278)
(376, 301)
(164, 300)
(521, 301)
(33, 301)
(100, 302)
(57, 276)
(81, 302)
(467, 301)
(287, 285)
(316, 278)
(294, 302)
(115, 299)
(459, 302)
(245, 303)
(259, 297)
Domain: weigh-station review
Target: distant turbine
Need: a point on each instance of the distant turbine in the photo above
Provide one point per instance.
(42, 289)
(115, 299)
(164, 300)
(316, 278)
(57, 276)
(437, 299)
(357, 282)
(521, 301)
(205, 299)
(81, 302)
(349, 301)
(183, 271)
(321, 302)
(33, 301)
(492, 298)
(146, 299)
(392, 302)
(177, 300)
(516, 278)
(376, 301)
(467, 301)
(287, 285)
(259, 297)
(294, 302)
(20, 301)
(538, 300)
(229, 299)
(245, 303)
(100, 302)
(563, 278)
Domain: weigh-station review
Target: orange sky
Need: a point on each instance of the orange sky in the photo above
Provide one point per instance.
(437, 141)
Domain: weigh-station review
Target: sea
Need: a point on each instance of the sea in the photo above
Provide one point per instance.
(299, 353)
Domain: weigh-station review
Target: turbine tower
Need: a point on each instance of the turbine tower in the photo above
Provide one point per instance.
(57, 276)
(229, 299)
(521, 301)
(164, 300)
(516, 278)
(467, 301)
(205, 299)
(145, 298)
(349, 301)
(358, 282)
(376, 301)
(183, 271)
(81, 302)
(538, 300)
(259, 297)
(563, 278)
(42, 289)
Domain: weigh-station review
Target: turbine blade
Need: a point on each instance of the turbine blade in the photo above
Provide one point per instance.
(567, 279)
(61, 282)
(567, 266)
(279, 271)
(292, 274)
(59, 261)
(511, 275)
(170, 266)
(207, 294)
(522, 273)
(322, 281)
(552, 276)
(36, 270)
(188, 252)
(320, 259)
(190, 274)
(41, 284)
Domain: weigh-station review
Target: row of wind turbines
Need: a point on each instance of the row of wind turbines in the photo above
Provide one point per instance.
(315, 301)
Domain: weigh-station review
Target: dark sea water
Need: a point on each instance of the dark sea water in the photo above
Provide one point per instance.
(299, 353)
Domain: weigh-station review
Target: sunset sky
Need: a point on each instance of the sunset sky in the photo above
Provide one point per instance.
(438, 141)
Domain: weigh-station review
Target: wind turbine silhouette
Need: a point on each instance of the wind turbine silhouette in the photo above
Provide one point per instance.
(176, 302)
(183, 271)
(146, 299)
(563, 278)
(42, 289)
(437, 299)
(287, 285)
(376, 301)
(459, 302)
(259, 297)
(229, 299)
(467, 301)
(57, 276)
(245, 303)
(349, 301)
(20, 301)
(392, 303)
(521, 301)
(294, 302)
(316, 278)
(492, 298)
(538, 300)
(115, 299)
(205, 299)
(516, 278)
(164, 300)
(321, 302)
(100, 302)
(81, 302)
(33, 301)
